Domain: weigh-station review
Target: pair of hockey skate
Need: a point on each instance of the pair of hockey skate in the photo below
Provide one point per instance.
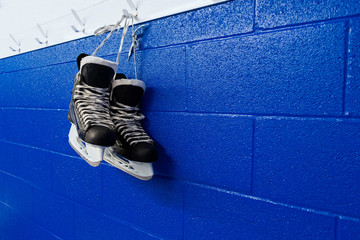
(105, 118)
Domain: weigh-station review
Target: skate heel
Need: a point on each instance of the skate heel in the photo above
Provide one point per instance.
(95, 153)
(92, 154)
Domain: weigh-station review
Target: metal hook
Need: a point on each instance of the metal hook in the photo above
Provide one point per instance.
(132, 5)
(44, 35)
(135, 42)
(79, 21)
(17, 43)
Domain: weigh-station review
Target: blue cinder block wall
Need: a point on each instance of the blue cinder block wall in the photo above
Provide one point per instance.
(255, 106)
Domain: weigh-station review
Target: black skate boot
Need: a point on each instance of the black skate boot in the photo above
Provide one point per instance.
(134, 151)
(91, 127)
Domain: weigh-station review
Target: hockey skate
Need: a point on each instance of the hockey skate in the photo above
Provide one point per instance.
(134, 151)
(91, 127)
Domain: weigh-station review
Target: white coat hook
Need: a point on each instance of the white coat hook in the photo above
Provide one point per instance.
(16, 42)
(44, 35)
(132, 6)
(81, 22)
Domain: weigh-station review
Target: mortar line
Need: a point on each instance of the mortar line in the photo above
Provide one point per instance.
(254, 16)
(336, 230)
(38, 148)
(250, 33)
(252, 156)
(73, 202)
(15, 211)
(346, 65)
(187, 77)
(273, 202)
(240, 114)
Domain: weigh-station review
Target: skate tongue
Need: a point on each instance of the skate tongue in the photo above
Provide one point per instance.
(128, 91)
(97, 72)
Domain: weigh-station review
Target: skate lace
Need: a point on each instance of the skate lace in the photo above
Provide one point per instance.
(93, 105)
(127, 123)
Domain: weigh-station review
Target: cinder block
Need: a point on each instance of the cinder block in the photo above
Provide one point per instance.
(224, 19)
(53, 212)
(18, 195)
(276, 13)
(2, 187)
(309, 162)
(7, 154)
(90, 224)
(213, 149)
(60, 53)
(28, 229)
(298, 71)
(352, 102)
(8, 224)
(163, 71)
(349, 230)
(154, 206)
(77, 180)
(47, 87)
(47, 129)
(213, 214)
(27, 163)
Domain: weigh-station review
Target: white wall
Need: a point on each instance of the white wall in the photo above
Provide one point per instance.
(20, 18)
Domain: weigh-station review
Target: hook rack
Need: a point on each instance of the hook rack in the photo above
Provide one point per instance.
(57, 26)
(44, 35)
(81, 22)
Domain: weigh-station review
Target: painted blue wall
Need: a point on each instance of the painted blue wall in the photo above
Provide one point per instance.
(254, 105)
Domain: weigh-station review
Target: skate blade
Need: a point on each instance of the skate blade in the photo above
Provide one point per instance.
(92, 154)
(140, 170)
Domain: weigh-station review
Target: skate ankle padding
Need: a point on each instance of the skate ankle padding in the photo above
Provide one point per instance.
(96, 75)
(79, 58)
(120, 76)
(127, 94)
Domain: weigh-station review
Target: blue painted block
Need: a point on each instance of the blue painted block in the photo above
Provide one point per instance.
(93, 225)
(30, 164)
(154, 206)
(47, 87)
(77, 180)
(298, 71)
(65, 52)
(212, 214)
(349, 230)
(7, 154)
(60, 53)
(54, 212)
(46, 129)
(276, 13)
(213, 149)
(224, 19)
(8, 224)
(2, 187)
(18, 195)
(27, 229)
(309, 162)
(352, 102)
(163, 71)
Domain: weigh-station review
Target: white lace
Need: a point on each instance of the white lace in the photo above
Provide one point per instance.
(117, 26)
(92, 104)
(112, 28)
(127, 123)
